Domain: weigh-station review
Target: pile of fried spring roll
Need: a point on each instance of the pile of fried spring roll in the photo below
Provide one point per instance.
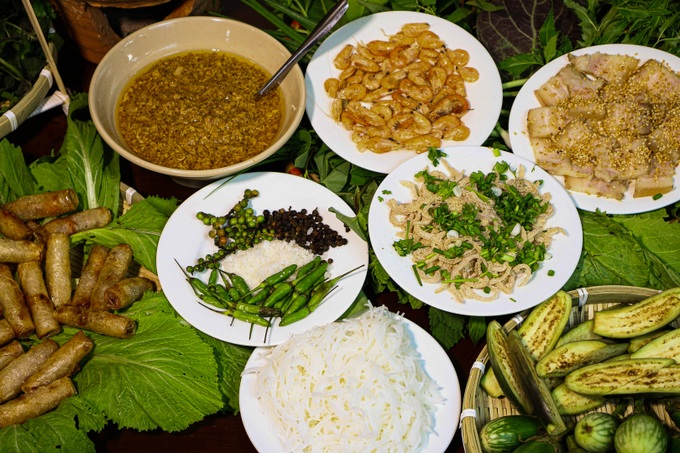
(37, 297)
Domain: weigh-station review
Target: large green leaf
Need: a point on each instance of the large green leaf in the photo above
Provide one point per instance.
(641, 250)
(140, 227)
(163, 377)
(231, 361)
(15, 179)
(56, 431)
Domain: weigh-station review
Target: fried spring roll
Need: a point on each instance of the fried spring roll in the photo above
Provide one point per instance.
(58, 268)
(7, 334)
(99, 321)
(13, 376)
(80, 221)
(13, 305)
(39, 303)
(12, 227)
(48, 204)
(12, 251)
(36, 402)
(62, 363)
(88, 277)
(10, 352)
(126, 291)
(114, 269)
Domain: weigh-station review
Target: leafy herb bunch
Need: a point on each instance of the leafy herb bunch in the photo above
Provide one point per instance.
(21, 56)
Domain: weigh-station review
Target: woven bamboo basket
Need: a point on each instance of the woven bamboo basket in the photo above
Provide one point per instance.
(479, 408)
(11, 120)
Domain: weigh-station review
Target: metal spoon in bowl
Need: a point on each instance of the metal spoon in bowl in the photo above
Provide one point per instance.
(322, 29)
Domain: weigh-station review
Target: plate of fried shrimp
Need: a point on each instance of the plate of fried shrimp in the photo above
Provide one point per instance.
(390, 85)
(475, 231)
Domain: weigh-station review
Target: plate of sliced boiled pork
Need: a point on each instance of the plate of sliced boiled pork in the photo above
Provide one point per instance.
(605, 121)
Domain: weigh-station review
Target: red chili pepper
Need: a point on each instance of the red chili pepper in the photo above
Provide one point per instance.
(293, 170)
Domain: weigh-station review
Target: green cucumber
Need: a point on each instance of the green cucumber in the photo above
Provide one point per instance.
(639, 318)
(595, 432)
(641, 433)
(505, 368)
(505, 434)
(541, 330)
(666, 346)
(537, 389)
(543, 444)
(583, 331)
(568, 357)
(571, 403)
(603, 378)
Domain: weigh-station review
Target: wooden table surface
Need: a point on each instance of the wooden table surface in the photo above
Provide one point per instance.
(43, 134)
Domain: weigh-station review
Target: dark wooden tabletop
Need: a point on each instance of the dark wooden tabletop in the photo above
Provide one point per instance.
(43, 134)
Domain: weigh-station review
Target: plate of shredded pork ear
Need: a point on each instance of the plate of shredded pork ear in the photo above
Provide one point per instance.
(605, 121)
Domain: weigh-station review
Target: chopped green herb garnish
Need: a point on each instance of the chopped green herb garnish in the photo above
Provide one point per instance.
(551, 273)
(380, 199)
(657, 196)
(405, 247)
(415, 271)
(434, 154)
(386, 192)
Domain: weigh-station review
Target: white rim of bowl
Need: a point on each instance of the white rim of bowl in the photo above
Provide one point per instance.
(212, 172)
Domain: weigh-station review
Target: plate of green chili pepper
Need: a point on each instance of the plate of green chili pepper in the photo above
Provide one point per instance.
(475, 231)
(236, 214)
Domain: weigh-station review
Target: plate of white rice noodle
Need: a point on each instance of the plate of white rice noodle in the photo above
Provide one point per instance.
(375, 382)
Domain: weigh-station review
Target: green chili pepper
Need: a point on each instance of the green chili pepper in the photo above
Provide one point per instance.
(308, 281)
(249, 317)
(254, 309)
(222, 293)
(239, 283)
(259, 297)
(212, 280)
(233, 293)
(307, 268)
(320, 295)
(280, 291)
(198, 286)
(295, 304)
(277, 278)
(294, 317)
(212, 300)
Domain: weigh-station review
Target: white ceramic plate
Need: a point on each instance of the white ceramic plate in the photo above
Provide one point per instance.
(565, 248)
(185, 239)
(485, 95)
(436, 363)
(526, 100)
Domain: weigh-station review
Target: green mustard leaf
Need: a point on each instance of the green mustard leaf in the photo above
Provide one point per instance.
(611, 255)
(84, 153)
(140, 227)
(15, 179)
(50, 173)
(163, 377)
(231, 361)
(55, 431)
(447, 328)
(660, 242)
